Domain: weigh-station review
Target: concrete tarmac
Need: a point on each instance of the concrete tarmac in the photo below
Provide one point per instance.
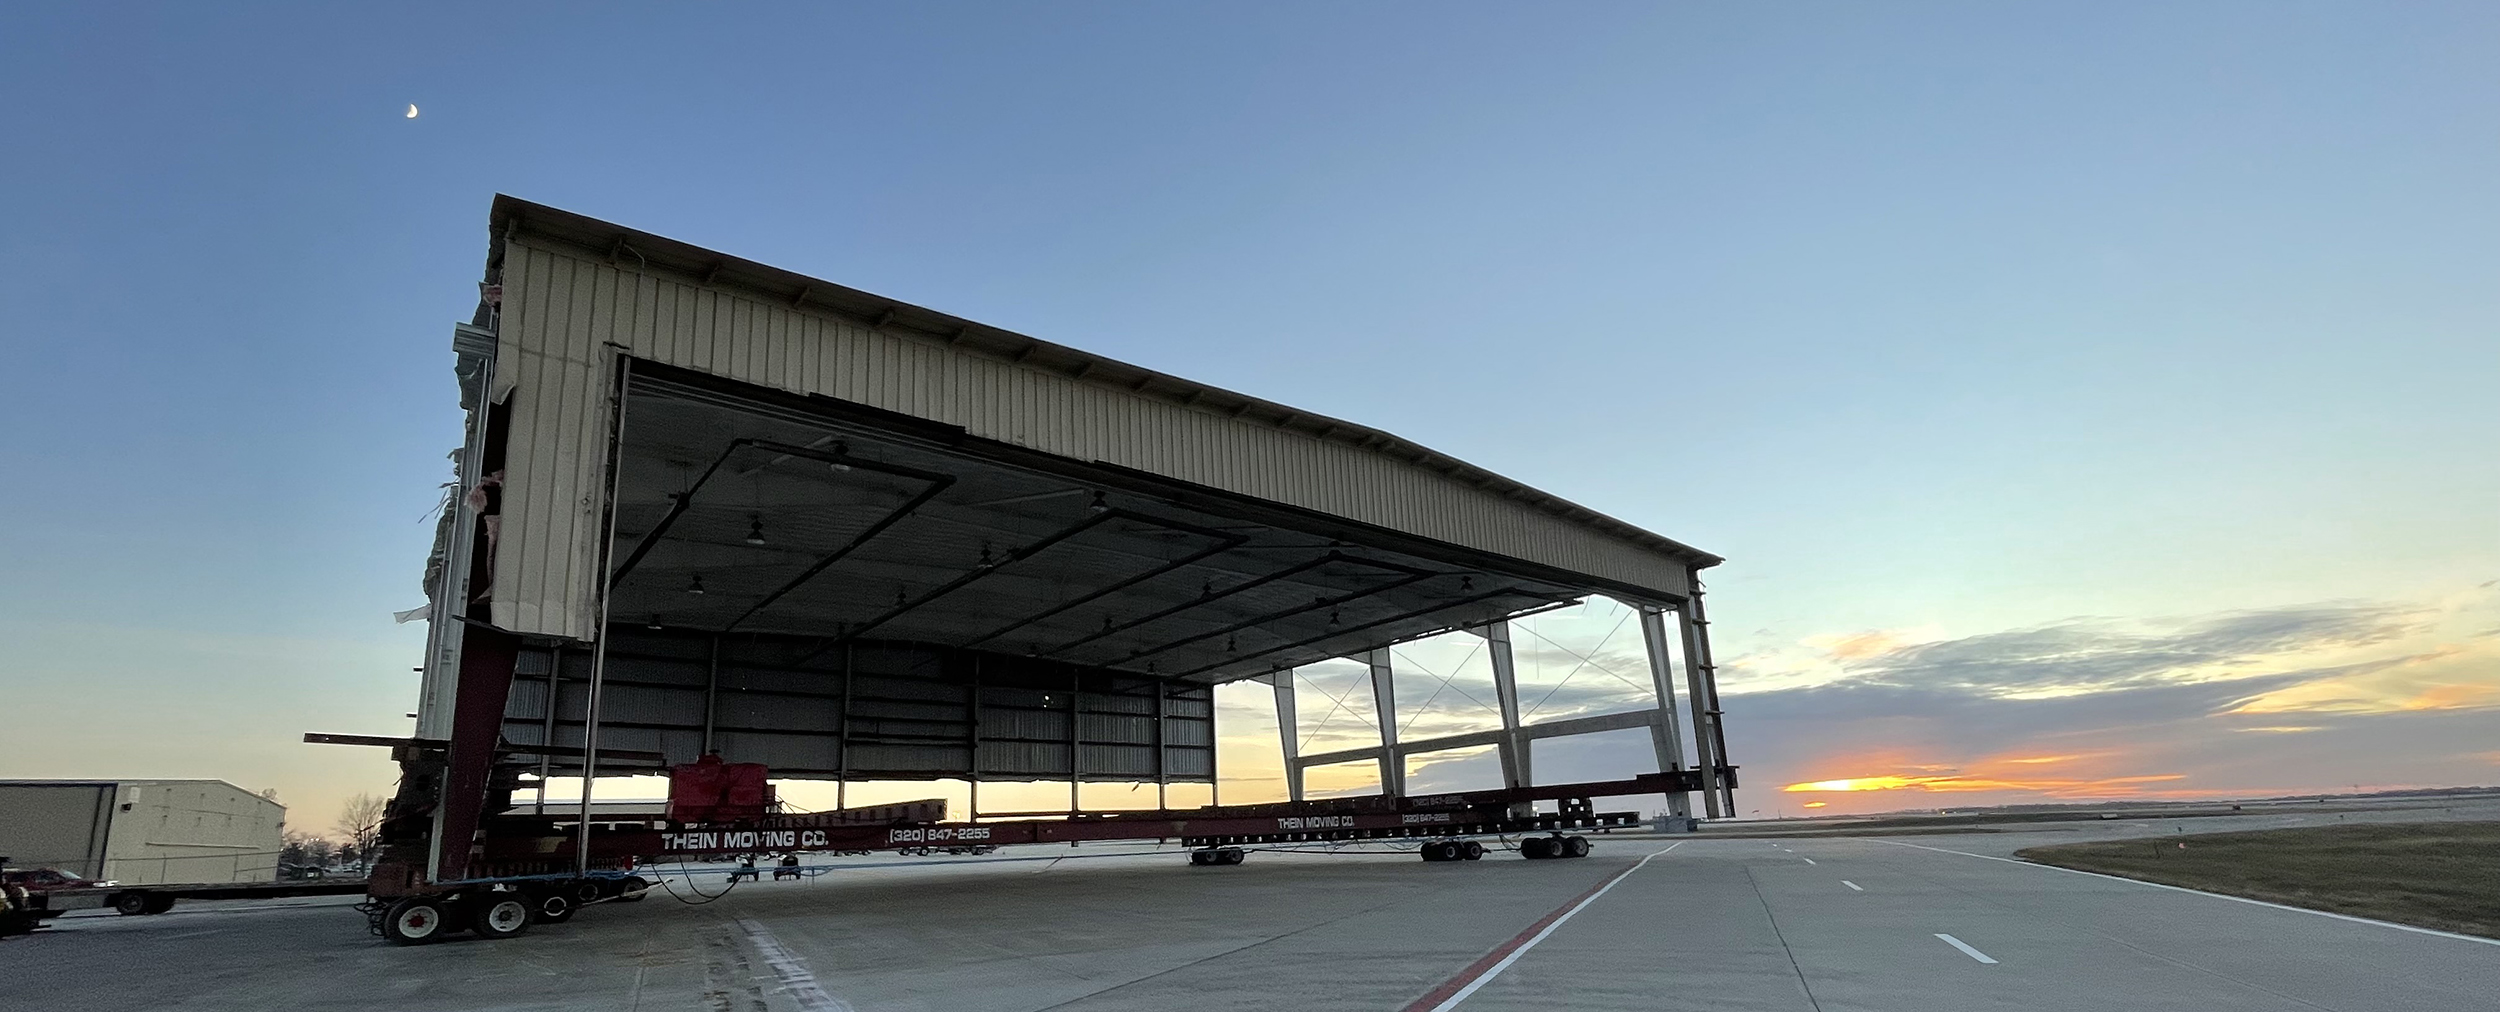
(1820, 924)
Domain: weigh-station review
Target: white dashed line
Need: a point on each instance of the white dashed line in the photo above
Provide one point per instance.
(799, 984)
(1496, 969)
(1965, 947)
(1852, 885)
(1809, 860)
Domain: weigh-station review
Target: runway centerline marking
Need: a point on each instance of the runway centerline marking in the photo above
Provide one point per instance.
(1852, 885)
(796, 981)
(1965, 947)
(1491, 964)
(2200, 892)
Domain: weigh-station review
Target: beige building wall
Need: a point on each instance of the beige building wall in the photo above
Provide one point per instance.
(566, 315)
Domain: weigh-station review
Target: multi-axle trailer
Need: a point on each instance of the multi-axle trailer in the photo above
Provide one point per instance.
(707, 510)
(512, 883)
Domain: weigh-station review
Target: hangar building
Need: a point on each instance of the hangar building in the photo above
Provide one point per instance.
(713, 506)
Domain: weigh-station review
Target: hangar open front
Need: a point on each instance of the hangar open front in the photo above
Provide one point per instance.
(712, 508)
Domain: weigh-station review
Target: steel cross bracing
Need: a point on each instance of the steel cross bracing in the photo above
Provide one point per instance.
(1708, 772)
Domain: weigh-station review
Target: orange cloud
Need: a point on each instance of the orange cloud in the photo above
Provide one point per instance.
(1818, 804)
(1956, 783)
(2451, 677)
(2453, 697)
(1859, 646)
(2039, 759)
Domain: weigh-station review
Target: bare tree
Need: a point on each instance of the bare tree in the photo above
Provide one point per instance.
(360, 821)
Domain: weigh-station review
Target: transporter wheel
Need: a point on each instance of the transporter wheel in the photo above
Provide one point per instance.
(416, 921)
(1471, 850)
(158, 904)
(131, 904)
(632, 889)
(1231, 855)
(1201, 858)
(499, 915)
(553, 908)
(1536, 848)
(1575, 846)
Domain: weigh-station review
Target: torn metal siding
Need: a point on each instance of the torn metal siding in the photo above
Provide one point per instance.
(562, 311)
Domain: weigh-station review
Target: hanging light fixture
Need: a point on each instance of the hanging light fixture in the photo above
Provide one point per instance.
(1098, 505)
(841, 449)
(696, 588)
(755, 528)
(654, 623)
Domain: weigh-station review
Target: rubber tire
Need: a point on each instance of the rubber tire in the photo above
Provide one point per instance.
(633, 889)
(499, 915)
(553, 908)
(1201, 858)
(131, 904)
(1233, 855)
(1471, 850)
(432, 921)
(1576, 846)
(1536, 848)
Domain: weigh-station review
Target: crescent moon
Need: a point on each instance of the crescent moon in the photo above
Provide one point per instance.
(412, 110)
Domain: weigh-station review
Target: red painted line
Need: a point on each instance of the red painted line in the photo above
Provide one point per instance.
(1432, 999)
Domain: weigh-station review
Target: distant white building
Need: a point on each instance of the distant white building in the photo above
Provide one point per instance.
(141, 831)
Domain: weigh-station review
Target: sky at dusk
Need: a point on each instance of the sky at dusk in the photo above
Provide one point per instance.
(2091, 400)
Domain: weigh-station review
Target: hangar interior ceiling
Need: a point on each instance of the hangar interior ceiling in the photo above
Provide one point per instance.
(890, 599)
(737, 517)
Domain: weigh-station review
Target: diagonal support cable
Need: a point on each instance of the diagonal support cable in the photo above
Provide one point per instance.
(1575, 669)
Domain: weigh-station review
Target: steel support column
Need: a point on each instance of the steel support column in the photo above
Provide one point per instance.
(842, 736)
(487, 657)
(1513, 748)
(972, 732)
(1664, 736)
(555, 693)
(1163, 755)
(1076, 742)
(1385, 706)
(1697, 631)
(1705, 757)
(711, 697)
(607, 594)
(1287, 730)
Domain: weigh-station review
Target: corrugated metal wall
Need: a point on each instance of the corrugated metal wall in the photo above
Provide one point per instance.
(562, 311)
